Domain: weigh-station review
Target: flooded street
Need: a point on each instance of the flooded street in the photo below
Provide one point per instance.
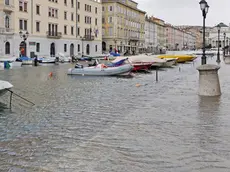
(107, 124)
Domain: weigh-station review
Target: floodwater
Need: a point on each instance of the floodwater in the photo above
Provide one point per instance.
(108, 124)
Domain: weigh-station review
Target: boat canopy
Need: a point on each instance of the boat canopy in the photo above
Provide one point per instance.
(120, 62)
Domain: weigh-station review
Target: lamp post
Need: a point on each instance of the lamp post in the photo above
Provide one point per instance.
(22, 48)
(82, 48)
(224, 43)
(218, 44)
(204, 8)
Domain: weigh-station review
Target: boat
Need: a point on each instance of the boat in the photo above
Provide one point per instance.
(100, 70)
(63, 58)
(11, 62)
(180, 58)
(147, 59)
(4, 87)
(47, 60)
(140, 66)
(25, 60)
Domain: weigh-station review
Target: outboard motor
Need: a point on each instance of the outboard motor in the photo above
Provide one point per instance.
(78, 65)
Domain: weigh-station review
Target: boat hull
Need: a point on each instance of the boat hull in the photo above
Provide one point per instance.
(180, 58)
(141, 66)
(27, 62)
(96, 71)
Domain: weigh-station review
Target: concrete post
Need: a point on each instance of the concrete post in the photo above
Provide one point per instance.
(227, 59)
(209, 84)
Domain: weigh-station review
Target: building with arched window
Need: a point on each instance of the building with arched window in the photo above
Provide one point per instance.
(69, 27)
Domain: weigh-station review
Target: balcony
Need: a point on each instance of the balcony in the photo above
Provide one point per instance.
(53, 35)
(89, 38)
(8, 7)
(7, 31)
(134, 38)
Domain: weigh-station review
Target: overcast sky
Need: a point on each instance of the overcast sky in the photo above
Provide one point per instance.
(187, 12)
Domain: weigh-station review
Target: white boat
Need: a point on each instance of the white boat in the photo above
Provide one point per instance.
(27, 62)
(156, 62)
(63, 58)
(48, 59)
(12, 62)
(4, 86)
(99, 70)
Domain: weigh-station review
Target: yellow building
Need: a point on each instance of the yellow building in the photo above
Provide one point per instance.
(123, 26)
(67, 26)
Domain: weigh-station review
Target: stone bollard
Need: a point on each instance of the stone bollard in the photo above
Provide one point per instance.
(227, 59)
(209, 84)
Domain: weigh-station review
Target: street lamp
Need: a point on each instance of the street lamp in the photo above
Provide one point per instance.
(22, 46)
(24, 36)
(82, 48)
(224, 44)
(204, 8)
(218, 52)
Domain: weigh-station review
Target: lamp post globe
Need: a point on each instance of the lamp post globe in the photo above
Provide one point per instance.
(203, 4)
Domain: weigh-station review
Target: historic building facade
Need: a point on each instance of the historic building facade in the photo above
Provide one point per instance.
(150, 35)
(123, 26)
(70, 27)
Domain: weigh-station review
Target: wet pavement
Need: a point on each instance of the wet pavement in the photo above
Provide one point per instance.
(97, 124)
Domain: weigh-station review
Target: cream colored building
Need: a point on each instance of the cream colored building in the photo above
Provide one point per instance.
(123, 26)
(66, 26)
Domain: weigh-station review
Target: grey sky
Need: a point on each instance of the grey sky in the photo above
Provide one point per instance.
(187, 12)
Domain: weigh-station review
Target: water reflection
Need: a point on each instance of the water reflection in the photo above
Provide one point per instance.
(209, 121)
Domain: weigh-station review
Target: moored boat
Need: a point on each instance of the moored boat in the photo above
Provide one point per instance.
(4, 86)
(180, 58)
(100, 70)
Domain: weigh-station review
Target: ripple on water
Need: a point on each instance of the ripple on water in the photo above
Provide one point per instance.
(109, 124)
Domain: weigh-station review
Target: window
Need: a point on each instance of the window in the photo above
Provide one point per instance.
(110, 31)
(96, 10)
(52, 29)
(87, 20)
(72, 16)
(37, 9)
(56, 1)
(110, 19)
(65, 30)
(95, 48)
(78, 5)
(65, 15)
(103, 20)
(7, 2)
(72, 3)
(87, 8)
(37, 47)
(96, 22)
(7, 21)
(110, 8)
(7, 48)
(65, 47)
(65, 2)
(23, 6)
(72, 30)
(103, 8)
(78, 31)
(22, 24)
(37, 26)
(78, 48)
(78, 17)
(53, 13)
